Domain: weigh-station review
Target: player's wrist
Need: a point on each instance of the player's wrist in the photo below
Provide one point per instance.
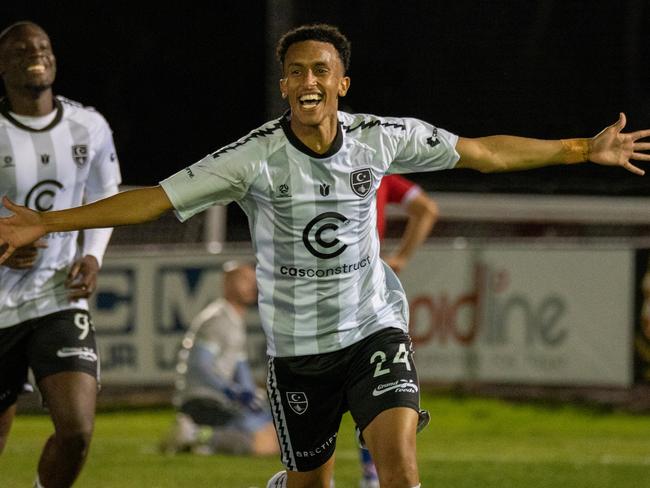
(575, 150)
(56, 221)
(48, 221)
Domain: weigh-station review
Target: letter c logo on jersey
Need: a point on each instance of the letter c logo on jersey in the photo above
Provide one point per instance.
(320, 238)
(41, 196)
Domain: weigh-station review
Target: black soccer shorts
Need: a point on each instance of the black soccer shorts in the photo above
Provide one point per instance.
(61, 341)
(310, 394)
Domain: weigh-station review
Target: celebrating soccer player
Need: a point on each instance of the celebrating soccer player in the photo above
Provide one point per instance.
(335, 316)
(54, 154)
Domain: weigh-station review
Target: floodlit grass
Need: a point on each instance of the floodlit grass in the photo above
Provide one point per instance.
(470, 443)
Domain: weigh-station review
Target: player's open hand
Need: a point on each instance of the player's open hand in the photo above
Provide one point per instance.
(18, 230)
(611, 147)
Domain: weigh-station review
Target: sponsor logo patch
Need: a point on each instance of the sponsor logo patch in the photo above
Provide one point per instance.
(82, 352)
(433, 141)
(320, 235)
(42, 195)
(407, 386)
(284, 191)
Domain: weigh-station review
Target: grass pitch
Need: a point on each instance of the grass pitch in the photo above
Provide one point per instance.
(469, 443)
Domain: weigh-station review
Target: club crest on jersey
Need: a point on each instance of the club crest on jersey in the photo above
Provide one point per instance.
(297, 401)
(80, 154)
(361, 181)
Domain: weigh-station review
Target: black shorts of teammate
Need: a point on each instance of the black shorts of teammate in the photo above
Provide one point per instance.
(310, 394)
(61, 341)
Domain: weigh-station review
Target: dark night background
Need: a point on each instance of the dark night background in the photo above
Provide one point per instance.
(178, 81)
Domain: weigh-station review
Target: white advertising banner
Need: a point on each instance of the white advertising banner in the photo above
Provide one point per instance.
(558, 316)
(493, 313)
(145, 303)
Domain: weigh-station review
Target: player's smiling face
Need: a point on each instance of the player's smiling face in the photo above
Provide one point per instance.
(313, 80)
(27, 60)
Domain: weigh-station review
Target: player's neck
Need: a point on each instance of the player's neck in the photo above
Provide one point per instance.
(318, 138)
(240, 308)
(31, 104)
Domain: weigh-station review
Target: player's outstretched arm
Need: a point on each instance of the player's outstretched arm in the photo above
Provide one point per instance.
(611, 147)
(129, 207)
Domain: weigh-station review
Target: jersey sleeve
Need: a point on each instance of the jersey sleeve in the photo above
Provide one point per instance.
(217, 179)
(104, 173)
(424, 147)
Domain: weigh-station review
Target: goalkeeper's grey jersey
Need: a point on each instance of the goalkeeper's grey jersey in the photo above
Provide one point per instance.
(312, 217)
(222, 331)
(51, 169)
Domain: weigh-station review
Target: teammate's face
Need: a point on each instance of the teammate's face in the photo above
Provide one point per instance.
(27, 60)
(313, 80)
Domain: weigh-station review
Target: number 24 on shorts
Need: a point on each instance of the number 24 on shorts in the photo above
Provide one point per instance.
(379, 357)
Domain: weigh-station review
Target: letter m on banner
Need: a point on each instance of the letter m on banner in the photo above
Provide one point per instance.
(182, 292)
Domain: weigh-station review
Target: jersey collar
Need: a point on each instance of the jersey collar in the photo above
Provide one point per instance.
(285, 121)
(5, 110)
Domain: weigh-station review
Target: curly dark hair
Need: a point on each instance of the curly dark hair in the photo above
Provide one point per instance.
(316, 32)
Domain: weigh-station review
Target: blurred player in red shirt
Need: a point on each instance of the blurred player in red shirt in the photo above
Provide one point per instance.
(422, 214)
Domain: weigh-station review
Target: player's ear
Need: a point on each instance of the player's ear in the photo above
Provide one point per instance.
(344, 86)
(283, 87)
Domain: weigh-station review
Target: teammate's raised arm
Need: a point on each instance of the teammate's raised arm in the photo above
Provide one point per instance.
(130, 207)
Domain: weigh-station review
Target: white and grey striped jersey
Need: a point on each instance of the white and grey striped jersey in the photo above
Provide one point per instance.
(51, 168)
(322, 285)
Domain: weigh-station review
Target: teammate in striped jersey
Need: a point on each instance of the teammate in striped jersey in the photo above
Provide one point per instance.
(54, 154)
(335, 316)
